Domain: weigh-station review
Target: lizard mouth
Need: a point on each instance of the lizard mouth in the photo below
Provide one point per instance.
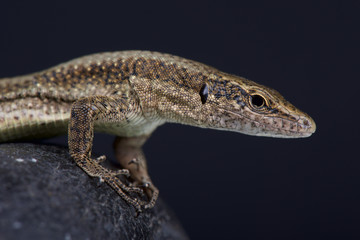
(272, 126)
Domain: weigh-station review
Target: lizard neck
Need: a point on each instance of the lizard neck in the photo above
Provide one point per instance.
(172, 94)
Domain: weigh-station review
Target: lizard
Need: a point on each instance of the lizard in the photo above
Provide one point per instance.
(129, 94)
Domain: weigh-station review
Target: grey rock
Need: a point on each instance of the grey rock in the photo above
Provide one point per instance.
(44, 195)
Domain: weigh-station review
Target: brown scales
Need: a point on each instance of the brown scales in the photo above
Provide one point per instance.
(131, 93)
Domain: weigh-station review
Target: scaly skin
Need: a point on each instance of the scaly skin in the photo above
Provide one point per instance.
(131, 93)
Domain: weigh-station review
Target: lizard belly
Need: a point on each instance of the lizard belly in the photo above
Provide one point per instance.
(133, 128)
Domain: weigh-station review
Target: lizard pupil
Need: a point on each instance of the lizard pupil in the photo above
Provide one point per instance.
(204, 92)
(257, 101)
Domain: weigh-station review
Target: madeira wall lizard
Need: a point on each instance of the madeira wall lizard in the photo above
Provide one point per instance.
(131, 93)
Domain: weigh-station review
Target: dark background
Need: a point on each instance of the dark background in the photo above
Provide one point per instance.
(225, 185)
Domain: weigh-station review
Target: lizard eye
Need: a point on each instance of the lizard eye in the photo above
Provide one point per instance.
(257, 101)
(204, 92)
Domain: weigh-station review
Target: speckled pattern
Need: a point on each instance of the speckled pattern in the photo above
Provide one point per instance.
(130, 94)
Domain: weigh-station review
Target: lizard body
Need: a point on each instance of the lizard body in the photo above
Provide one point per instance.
(131, 93)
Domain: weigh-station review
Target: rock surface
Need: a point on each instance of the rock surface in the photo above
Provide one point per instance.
(44, 195)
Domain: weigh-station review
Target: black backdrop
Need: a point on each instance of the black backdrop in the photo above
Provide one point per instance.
(224, 185)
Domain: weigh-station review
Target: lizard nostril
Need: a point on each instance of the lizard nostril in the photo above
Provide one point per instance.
(308, 125)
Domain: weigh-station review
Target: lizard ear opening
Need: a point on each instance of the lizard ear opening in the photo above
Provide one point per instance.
(204, 92)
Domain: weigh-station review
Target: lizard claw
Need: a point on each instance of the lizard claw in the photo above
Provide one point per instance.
(100, 159)
(145, 185)
(133, 161)
(136, 162)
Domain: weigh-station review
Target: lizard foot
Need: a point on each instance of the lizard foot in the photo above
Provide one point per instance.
(129, 154)
(94, 169)
(151, 191)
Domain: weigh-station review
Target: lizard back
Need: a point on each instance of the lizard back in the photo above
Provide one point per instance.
(38, 105)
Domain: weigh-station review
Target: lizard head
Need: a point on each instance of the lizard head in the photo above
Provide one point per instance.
(237, 104)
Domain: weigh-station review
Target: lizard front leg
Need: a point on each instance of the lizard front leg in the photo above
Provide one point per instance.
(84, 113)
(129, 154)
